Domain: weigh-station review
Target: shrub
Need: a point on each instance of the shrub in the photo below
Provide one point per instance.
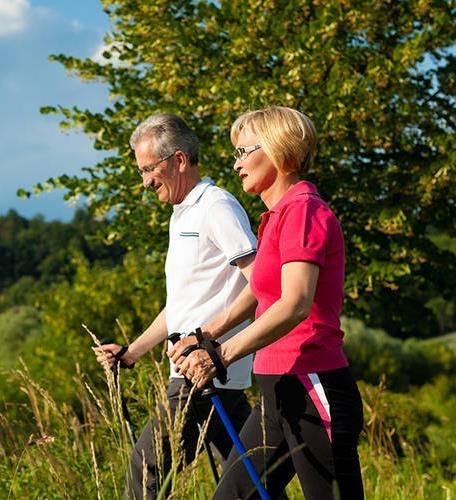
(373, 355)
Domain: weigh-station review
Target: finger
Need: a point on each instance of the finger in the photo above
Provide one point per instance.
(172, 350)
(109, 349)
(105, 357)
(179, 360)
(201, 382)
(182, 367)
(175, 353)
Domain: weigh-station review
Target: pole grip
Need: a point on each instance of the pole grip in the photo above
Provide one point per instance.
(174, 337)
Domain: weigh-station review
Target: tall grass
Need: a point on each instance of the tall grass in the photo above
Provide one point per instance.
(51, 450)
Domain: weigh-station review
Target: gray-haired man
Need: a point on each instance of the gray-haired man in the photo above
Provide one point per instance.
(210, 254)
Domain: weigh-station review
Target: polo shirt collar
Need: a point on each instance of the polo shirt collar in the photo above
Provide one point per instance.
(196, 193)
(299, 189)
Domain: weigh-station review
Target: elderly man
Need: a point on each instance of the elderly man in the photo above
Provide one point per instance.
(210, 254)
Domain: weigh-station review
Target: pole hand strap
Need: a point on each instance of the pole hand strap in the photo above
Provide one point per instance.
(118, 357)
(210, 347)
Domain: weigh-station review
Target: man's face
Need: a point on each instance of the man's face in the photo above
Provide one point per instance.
(164, 177)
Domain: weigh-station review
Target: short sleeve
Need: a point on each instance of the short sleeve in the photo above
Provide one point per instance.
(229, 228)
(302, 232)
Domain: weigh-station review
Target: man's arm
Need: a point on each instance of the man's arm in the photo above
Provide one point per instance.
(155, 333)
(239, 310)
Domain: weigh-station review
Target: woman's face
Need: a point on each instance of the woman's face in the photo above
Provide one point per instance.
(256, 170)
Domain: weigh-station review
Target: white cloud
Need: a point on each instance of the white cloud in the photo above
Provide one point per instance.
(13, 16)
(114, 49)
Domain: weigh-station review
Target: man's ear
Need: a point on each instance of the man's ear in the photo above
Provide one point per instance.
(182, 160)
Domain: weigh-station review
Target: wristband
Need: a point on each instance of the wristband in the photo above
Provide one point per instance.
(198, 334)
(209, 347)
(118, 357)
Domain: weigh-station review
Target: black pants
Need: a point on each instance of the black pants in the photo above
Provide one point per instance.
(316, 419)
(237, 407)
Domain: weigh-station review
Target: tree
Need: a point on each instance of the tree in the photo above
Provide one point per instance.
(377, 78)
(41, 251)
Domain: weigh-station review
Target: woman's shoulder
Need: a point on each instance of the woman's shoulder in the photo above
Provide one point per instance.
(304, 202)
(305, 208)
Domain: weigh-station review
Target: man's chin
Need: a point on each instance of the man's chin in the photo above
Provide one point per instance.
(163, 195)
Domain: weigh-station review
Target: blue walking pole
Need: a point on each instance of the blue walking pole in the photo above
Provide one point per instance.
(210, 391)
(239, 446)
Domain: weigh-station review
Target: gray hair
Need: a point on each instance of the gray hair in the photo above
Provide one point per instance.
(170, 133)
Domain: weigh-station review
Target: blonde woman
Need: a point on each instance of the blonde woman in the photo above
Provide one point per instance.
(312, 407)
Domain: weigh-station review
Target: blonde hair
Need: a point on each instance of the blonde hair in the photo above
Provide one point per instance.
(287, 136)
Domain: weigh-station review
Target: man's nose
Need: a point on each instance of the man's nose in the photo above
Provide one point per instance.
(147, 180)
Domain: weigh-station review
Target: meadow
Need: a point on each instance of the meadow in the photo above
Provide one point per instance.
(62, 434)
(80, 448)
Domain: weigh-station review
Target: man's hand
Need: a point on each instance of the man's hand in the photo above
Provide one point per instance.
(108, 352)
(198, 368)
(175, 352)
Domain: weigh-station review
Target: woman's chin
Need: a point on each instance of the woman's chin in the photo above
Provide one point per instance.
(248, 188)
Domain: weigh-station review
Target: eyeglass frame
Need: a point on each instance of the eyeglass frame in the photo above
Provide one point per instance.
(148, 169)
(243, 152)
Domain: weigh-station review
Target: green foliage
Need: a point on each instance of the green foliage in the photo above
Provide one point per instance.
(375, 355)
(409, 448)
(39, 252)
(132, 293)
(17, 325)
(386, 161)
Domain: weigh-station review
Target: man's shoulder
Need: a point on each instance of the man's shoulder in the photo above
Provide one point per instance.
(215, 194)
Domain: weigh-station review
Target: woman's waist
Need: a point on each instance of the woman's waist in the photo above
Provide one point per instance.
(311, 346)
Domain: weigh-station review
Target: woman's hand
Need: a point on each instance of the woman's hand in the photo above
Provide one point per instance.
(198, 368)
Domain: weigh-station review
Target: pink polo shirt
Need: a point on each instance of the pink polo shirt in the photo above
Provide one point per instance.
(301, 227)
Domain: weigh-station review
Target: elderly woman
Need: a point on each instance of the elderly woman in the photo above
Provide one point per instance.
(311, 408)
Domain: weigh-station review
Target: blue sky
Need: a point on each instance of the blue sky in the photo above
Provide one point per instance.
(32, 147)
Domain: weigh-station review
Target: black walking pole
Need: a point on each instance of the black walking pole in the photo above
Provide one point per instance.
(125, 412)
(210, 392)
(173, 338)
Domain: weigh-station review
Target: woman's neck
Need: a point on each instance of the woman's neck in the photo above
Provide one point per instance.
(273, 194)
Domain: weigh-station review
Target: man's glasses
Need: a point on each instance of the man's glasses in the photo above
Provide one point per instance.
(147, 169)
(242, 153)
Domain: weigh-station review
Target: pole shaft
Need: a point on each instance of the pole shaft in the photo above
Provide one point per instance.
(239, 447)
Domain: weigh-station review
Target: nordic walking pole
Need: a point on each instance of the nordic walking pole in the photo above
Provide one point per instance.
(125, 412)
(210, 391)
(173, 338)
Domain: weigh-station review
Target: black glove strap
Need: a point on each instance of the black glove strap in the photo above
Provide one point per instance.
(198, 334)
(209, 347)
(118, 357)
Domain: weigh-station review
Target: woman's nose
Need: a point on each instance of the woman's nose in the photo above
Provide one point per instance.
(237, 165)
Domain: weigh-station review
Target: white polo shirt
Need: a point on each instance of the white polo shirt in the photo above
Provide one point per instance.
(208, 231)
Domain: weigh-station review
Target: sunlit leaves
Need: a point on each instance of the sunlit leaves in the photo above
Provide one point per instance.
(360, 70)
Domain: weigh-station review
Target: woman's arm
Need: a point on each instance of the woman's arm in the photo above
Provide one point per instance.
(299, 282)
(239, 310)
